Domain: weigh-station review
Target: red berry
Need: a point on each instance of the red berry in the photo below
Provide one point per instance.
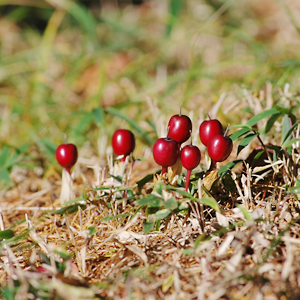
(165, 152)
(208, 129)
(66, 155)
(123, 142)
(219, 147)
(190, 156)
(180, 127)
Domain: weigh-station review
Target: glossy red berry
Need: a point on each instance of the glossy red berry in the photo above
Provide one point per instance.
(165, 152)
(180, 127)
(190, 157)
(66, 155)
(208, 129)
(219, 147)
(123, 142)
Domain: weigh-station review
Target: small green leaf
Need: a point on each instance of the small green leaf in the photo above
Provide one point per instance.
(229, 166)
(118, 178)
(290, 143)
(286, 126)
(240, 133)
(8, 294)
(92, 230)
(188, 251)
(199, 239)
(148, 226)
(209, 202)
(4, 178)
(283, 110)
(171, 203)
(67, 210)
(261, 116)
(115, 217)
(44, 258)
(286, 136)
(4, 156)
(246, 141)
(98, 115)
(64, 254)
(167, 283)
(161, 214)
(6, 234)
(143, 181)
(245, 212)
(151, 201)
(159, 187)
(271, 122)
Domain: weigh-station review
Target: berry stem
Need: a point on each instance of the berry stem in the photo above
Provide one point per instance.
(68, 170)
(213, 165)
(187, 181)
(164, 170)
(225, 133)
(180, 109)
(65, 138)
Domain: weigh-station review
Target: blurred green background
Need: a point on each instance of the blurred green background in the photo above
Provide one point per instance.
(83, 67)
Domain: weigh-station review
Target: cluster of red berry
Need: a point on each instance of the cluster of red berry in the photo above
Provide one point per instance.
(167, 150)
(219, 146)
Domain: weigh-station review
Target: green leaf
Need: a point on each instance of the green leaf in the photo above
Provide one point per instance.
(286, 126)
(245, 212)
(44, 258)
(4, 178)
(167, 283)
(240, 133)
(188, 251)
(181, 192)
(148, 226)
(4, 157)
(271, 122)
(92, 230)
(161, 214)
(98, 115)
(8, 294)
(172, 204)
(175, 8)
(199, 239)
(143, 181)
(118, 178)
(132, 123)
(47, 147)
(286, 136)
(283, 110)
(209, 202)
(246, 141)
(290, 143)
(67, 210)
(115, 217)
(159, 187)
(261, 116)
(229, 166)
(64, 254)
(151, 201)
(6, 234)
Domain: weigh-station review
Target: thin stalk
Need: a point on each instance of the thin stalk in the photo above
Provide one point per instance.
(187, 181)
(164, 170)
